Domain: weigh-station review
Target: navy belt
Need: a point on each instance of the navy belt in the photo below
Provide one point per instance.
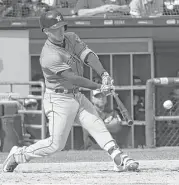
(67, 91)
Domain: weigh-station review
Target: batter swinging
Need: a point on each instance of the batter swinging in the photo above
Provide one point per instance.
(62, 59)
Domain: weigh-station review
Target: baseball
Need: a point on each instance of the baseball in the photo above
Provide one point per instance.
(168, 104)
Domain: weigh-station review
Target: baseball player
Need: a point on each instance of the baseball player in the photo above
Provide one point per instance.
(62, 59)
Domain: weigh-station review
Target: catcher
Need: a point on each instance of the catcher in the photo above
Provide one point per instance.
(110, 117)
(62, 59)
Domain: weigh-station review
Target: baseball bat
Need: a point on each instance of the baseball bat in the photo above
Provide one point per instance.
(122, 109)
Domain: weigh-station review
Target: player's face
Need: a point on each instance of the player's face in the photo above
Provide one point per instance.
(32, 106)
(57, 34)
(100, 100)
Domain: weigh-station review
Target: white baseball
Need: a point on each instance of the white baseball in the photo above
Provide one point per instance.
(168, 104)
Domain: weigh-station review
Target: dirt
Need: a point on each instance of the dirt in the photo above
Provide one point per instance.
(151, 171)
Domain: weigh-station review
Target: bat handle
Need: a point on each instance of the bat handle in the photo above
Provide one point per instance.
(130, 122)
(113, 92)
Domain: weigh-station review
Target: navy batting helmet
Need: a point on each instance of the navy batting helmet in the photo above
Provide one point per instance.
(52, 19)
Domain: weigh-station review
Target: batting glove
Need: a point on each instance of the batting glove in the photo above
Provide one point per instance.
(106, 79)
(106, 89)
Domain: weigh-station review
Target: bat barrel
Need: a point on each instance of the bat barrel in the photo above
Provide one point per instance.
(123, 109)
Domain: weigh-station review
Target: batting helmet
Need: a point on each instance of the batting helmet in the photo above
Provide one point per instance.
(52, 19)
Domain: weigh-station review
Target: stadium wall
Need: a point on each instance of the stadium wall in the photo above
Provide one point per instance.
(165, 49)
(14, 59)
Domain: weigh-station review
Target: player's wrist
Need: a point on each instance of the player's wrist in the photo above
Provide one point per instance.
(105, 73)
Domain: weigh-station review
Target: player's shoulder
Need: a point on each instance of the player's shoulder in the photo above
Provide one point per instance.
(71, 36)
(49, 54)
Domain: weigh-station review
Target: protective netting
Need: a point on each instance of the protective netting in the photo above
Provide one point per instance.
(34, 8)
(167, 132)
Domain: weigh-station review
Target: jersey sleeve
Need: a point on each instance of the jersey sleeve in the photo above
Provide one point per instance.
(81, 48)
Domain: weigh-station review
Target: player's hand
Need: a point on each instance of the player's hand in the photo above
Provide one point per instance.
(106, 79)
(106, 89)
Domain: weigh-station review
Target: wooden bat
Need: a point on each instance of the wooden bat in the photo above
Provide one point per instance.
(122, 109)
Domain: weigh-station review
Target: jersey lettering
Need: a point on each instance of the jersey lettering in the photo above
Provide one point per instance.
(55, 59)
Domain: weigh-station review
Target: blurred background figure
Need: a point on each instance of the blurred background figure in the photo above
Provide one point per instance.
(139, 100)
(146, 8)
(37, 7)
(32, 119)
(2, 7)
(99, 7)
(37, 88)
(24, 8)
(10, 8)
(110, 117)
(171, 7)
(104, 8)
(50, 3)
(16, 8)
(139, 105)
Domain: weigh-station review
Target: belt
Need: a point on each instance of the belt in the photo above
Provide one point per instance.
(64, 91)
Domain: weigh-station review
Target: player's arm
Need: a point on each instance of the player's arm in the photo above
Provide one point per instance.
(59, 66)
(84, 82)
(83, 9)
(102, 10)
(78, 80)
(87, 55)
(94, 11)
(120, 8)
(91, 59)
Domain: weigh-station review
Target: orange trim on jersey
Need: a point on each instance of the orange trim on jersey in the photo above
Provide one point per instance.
(85, 53)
